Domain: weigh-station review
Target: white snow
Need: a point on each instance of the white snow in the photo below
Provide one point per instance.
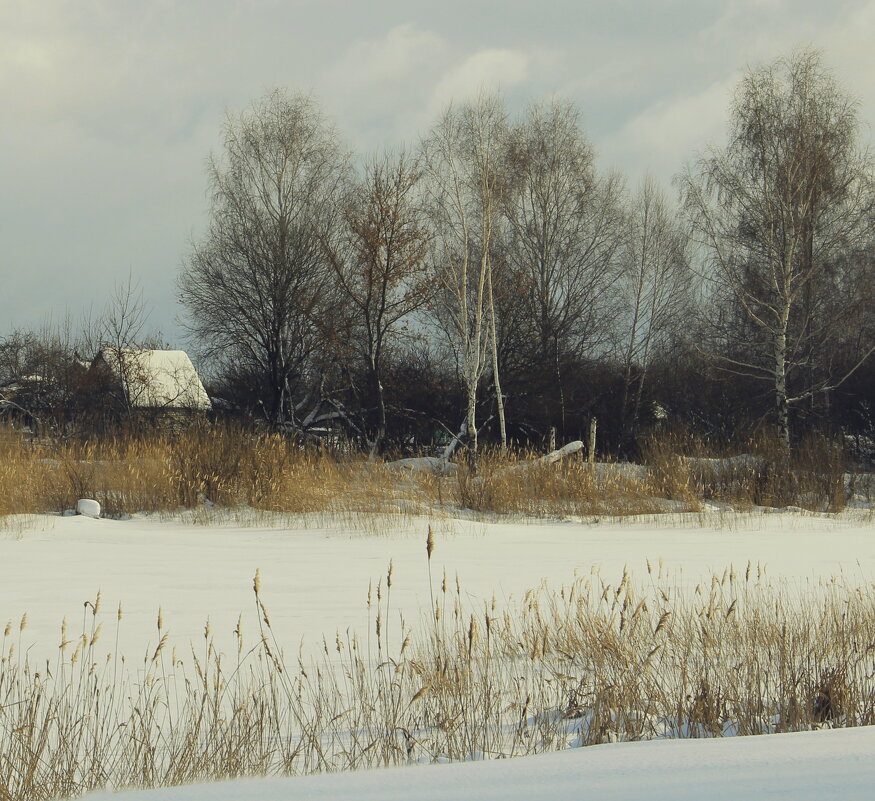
(87, 507)
(157, 378)
(427, 464)
(804, 766)
(315, 580)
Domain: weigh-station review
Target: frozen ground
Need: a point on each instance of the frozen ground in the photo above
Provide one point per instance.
(315, 581)
(805, 766)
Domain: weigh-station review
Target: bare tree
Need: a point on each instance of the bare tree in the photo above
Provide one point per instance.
(655, 290)
(41, 378)
(48, 369)
(257, 287)
(119, 336)
(463, 161)
(565, 225)
(775, 208)
(380, 266)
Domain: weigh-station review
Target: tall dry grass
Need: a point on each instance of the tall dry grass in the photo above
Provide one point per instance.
(228, 468)
(215, 466)
(679, 472)
(757, 472)
(522, 483)
(592, 662)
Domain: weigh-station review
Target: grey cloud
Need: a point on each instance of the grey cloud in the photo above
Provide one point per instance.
(111, 107)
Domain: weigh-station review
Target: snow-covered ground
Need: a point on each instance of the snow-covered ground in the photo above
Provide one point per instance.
(315, 580)
(804, 766)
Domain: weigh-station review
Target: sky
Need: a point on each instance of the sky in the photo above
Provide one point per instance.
(110, 108)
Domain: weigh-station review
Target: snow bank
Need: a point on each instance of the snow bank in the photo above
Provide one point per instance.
(315, 581)
(725, 466)
(804, 766)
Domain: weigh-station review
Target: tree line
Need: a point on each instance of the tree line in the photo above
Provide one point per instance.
(493, 285)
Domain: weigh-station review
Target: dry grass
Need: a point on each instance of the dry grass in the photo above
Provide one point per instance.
(206, 468)
(523, 484)
(221, 467)
(593, 662)
(753, 473)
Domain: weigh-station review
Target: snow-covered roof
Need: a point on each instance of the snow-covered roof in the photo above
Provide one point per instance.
(156, 378)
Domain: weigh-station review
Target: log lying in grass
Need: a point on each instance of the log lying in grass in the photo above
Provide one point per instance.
(554, 457)
(439, 466)
(561, 453)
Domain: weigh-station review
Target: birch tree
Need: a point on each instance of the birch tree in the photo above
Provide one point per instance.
(774, 208)
(654, 288)
(565, 223)
(380, 266)
(463, 161)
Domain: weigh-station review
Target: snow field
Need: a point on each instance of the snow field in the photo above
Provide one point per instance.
(316, 576)
(509, 666)
(804, 766)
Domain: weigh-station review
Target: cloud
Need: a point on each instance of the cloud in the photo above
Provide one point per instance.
(29, 56)
(111, 107)
(60, 71)
(669, 132)
(485, 69)
(389, 59)
(849, 50)
(391, 87)
(375, 87)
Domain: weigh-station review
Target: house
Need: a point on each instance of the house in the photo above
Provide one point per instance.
(161, 384)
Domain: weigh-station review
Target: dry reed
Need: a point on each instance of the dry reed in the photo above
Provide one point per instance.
(200, 466)
(203, 468)
(592, 662)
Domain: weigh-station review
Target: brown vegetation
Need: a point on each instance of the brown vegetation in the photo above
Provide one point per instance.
(232, 468)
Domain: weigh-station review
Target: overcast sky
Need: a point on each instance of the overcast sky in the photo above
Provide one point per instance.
(110, 107)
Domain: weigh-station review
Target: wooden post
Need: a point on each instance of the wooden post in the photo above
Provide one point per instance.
(593, 423)
(552, 439)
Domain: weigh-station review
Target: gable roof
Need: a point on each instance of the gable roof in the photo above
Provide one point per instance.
(156, 378)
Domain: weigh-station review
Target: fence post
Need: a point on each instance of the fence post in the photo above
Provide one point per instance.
(593, 423)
